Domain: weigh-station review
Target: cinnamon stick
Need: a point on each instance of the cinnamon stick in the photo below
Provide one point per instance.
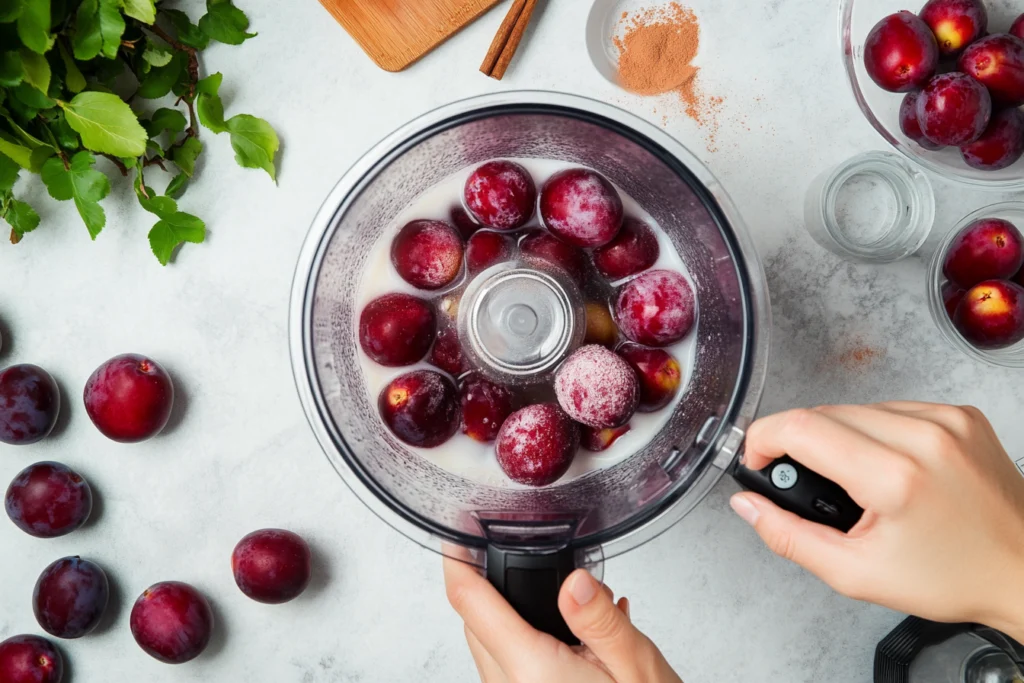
(502, 36)
(507, 40)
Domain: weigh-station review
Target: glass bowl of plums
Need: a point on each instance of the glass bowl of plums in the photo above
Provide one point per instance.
(944, 85)
(976, 285)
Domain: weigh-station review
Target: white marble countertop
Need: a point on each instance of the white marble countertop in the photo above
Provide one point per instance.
(242, 457)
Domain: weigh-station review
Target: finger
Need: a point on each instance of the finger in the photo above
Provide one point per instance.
(822, 550)
(603, 627)
(623, 605)
(497, 626)
(486, 666)
(826, 446)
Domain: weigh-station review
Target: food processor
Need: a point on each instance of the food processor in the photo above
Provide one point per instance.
(529, 540)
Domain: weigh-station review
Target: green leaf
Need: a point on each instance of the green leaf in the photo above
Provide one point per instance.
(37, 70)
(177, 186)
(74, 78)
(8, 174)
(156, 54)
(39, 157)
(11, 70)
(170, 233)
(31, 97)
(159, 80)
(10, 10)
(186, 155)
(15, 151)
(208, 103)
(255, 143)
(82, 183)
(106, 123)
(99, 26)
(21, 217)
(66, 137)
(164, 119)
(162, 206)
(34, 25)
(225, 22)
(143, 10)
(31, 141)
(188, 33)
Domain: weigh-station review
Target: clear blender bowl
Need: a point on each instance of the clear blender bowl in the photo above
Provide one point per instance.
(603, 512)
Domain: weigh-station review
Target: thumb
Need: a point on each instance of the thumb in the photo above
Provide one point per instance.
(604, 628)
(821, 550)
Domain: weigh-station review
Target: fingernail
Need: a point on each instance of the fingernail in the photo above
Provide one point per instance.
(742, 506)
(583, 588)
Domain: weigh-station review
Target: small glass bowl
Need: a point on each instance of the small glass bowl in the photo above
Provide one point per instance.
(881, 108)
(874, 208)
(1011, 356)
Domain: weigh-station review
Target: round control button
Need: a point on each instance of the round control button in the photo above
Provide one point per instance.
(784, 476)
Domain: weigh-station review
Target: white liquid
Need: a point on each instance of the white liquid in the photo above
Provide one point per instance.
(462, 455)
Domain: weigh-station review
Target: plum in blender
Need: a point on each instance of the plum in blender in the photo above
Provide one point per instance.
(991, 314)
(581, 207)
(172, 622)
(953, 109)
(427, 254)
(597, 440)
(658, 372)
(463, 222)
(485, 248)
(485, 407)
(29, 404)
(544, 246)
(501, 195)
(909, 124)
(70, 597)
(597, 388)
(633, 250)
(601, 328)
(1001, 145)
(987, 249)
(30, 659)
(421, 408)
(537, 444)
(955, 23)
(47, 500)
(447, 352)
(657, 308)
(900, 52)
(272, 566)
(997, 62)
(1017, 28)
(129, 398)
(397, 329)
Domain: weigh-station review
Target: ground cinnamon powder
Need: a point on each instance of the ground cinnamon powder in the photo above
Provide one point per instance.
(656, 50)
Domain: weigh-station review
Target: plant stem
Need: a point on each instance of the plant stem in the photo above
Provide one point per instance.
(117, 162)
(193, 74)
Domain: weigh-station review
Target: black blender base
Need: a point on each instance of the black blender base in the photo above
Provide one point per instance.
(531, 582)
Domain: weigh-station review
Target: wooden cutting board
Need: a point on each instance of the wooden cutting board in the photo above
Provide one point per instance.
(395, 33)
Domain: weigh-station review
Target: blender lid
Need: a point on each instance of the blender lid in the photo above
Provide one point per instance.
(703, 461)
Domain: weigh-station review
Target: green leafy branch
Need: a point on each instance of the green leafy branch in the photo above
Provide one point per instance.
(63, 103)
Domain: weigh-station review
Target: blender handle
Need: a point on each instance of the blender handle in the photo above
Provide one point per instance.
(802, 491)
(531, 582)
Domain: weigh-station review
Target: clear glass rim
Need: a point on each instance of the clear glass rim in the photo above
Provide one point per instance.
(937, 307)
(746, 395)
(947, 172)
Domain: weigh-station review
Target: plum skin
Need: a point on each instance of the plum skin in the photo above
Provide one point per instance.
(70, 597)
(900, 52)
(537, 444)
(501, 195)
(955, 23)
(987, 249)
(581, 207)
(129, 398)
(172, 622)
(1000, 146)
(29, 404)
(953, 109)
(48, 499)
(633, 250)
(30, 659)
(991, 314)
(421, 408)
(427, 254)
(272, 566)
(397, 329)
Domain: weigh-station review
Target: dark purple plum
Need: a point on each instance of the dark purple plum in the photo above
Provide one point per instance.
(987, 249)
(48, 499)
(991, 315)
(29, 404)
(634, 249)
(421, 408)
(30, 659)
(70, 597)
(501, 195)
(1000, 145)
(272, 566)
(463, 222)
(397, 329)
(537, 444)
(447, 352)
(172, 622)
(485, 406)
(951, 298)
(900, 52)
(129, 398)
(953, 109)
(427, 254)
(909, 124)
(486, 248)
(581, 207)
(543, 246)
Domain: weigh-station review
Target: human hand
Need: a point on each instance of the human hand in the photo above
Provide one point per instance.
(508, 650)
(942, 535)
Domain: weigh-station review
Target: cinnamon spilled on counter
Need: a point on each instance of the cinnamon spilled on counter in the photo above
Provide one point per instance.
(656, 49)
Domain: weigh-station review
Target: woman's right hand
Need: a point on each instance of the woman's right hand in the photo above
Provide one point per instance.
(942, 536)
